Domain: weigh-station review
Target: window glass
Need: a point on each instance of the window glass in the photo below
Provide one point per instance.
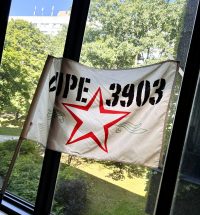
(186, 198)
(121, 34)
(126, 34)
(30, 37)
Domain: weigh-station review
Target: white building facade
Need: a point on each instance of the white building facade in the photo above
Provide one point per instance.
(50, 25)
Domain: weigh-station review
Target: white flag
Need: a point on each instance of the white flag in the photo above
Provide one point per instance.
(116, 115)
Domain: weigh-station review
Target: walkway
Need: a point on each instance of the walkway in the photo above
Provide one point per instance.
(4, 138)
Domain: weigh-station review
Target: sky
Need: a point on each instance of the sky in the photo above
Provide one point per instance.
(27, 7)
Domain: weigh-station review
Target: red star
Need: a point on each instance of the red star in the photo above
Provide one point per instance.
(92, 118)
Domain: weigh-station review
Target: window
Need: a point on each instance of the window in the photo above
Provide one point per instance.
(27, 45)
(188, 182)
(119, 34)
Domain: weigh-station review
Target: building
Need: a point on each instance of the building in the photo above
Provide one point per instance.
(50, 25)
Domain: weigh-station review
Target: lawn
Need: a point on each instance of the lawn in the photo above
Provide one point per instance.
(10, 131)
(135, 185)
(105, 198)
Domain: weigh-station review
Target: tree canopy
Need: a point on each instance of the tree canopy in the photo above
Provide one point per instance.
(24, 55)
(121, 34)
(57, 42)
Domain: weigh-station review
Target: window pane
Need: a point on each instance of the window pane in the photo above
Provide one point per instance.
(187, 195)
(121, 34)
(31, 35)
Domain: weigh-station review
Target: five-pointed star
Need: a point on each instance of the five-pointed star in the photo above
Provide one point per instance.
(93, 121)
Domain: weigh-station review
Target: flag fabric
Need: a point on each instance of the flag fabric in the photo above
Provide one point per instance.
(116, 115)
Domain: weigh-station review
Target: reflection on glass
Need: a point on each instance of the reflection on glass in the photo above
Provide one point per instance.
(186, 199)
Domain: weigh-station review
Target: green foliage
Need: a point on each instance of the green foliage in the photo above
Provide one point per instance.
(28, 147)
(186, 190)
(58, 42)
(25, 177)
(72, 194)
(10, 131)
(122, 33)
(119, 170)
(67, 172)
(24, 55)
(108, 199)
(26, 173)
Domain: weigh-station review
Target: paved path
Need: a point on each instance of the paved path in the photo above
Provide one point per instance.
(4, 138)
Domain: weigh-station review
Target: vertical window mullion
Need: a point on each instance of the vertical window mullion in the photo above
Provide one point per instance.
(51, 161)
(4, 14)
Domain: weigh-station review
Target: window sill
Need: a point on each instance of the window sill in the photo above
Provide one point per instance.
(13, 205)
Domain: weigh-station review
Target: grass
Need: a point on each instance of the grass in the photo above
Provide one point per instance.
(10, 131)
(108, 197)
(135, 185)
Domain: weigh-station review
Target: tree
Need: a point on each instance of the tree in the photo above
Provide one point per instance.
(24, 55)
(58, 42)
(122, 33)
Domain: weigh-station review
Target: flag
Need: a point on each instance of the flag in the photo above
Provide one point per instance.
(116, 115)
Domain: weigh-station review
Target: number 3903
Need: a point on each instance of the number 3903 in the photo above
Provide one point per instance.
(125, 96)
